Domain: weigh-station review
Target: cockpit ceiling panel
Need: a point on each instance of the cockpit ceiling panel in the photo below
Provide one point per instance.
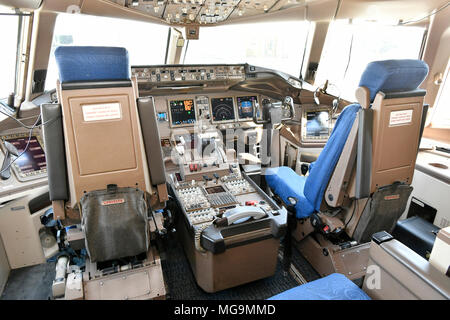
(185, 12)
(212, 12)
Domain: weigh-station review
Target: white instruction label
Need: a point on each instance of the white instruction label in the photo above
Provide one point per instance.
(104, 111)
(400, 117)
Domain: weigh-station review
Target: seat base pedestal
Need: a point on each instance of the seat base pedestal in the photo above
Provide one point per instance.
(327, 258)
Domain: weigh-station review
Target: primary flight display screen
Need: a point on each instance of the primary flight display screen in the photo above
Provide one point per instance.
(222, 109)
(32, 161)
(317, 124)
(182, 112)
(245, 106)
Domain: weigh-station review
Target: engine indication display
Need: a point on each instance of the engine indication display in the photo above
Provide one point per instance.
(245, 106)
(182, 112)
(222, 109)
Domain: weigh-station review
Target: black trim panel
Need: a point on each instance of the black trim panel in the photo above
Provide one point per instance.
(405, 94)
(96, 84)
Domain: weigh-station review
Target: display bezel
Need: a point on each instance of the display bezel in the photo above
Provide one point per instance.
(211, 109)
(237, 107)
(315, 139)
(169, 111)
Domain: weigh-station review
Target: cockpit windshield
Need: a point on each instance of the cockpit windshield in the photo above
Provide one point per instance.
(146, 42)
(276, 45)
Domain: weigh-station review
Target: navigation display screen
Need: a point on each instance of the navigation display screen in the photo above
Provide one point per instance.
(182, 112)
(33, 160)
(317, 123)
(245, 106)
(222, 109)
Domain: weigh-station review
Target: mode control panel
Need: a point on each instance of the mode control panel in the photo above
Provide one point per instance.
(191, 73)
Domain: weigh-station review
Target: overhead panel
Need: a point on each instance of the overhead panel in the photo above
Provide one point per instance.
(204, 12)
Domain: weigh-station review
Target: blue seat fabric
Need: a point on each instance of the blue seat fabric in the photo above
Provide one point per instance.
(393, 75)
(336, 286)
(80, 64)
(309, 190)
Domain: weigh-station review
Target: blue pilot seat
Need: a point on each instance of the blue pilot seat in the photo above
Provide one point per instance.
(89, 64)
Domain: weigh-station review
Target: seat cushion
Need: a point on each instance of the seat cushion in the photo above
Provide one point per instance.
(78, 64)
(336, 286)
(286, 183)
(393, 75)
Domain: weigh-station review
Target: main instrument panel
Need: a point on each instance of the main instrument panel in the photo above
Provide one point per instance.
(226, 110)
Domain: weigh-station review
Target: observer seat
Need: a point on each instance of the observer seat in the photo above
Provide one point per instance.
(98, 164)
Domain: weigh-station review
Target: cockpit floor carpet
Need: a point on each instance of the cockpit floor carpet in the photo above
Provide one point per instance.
(303, 266)
(182, 285)
(30, 283)
(34, 283)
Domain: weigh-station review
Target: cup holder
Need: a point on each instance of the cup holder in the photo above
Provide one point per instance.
(438, 165)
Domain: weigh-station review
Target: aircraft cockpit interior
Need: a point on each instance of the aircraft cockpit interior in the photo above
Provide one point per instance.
(225, 150)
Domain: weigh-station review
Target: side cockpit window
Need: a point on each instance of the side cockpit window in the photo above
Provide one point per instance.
(146, 42)
(350, 46)
(8, 54)
(441, 114)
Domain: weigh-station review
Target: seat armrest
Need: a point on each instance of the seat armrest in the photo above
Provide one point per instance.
(395, 272)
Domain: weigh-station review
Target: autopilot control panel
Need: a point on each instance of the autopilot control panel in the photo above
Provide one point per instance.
(187, 73)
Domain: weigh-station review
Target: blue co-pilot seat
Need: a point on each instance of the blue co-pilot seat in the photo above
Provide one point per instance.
(336, 286)
(309, 190)
(386, 76)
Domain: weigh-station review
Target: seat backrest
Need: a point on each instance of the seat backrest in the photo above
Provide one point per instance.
(386, 136)
(102, 133)
(323, 167)
(397, 117)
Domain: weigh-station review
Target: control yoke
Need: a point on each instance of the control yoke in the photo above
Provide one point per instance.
(274, 112)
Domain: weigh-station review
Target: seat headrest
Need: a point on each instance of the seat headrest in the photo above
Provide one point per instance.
(393, 76)
(77, 64)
